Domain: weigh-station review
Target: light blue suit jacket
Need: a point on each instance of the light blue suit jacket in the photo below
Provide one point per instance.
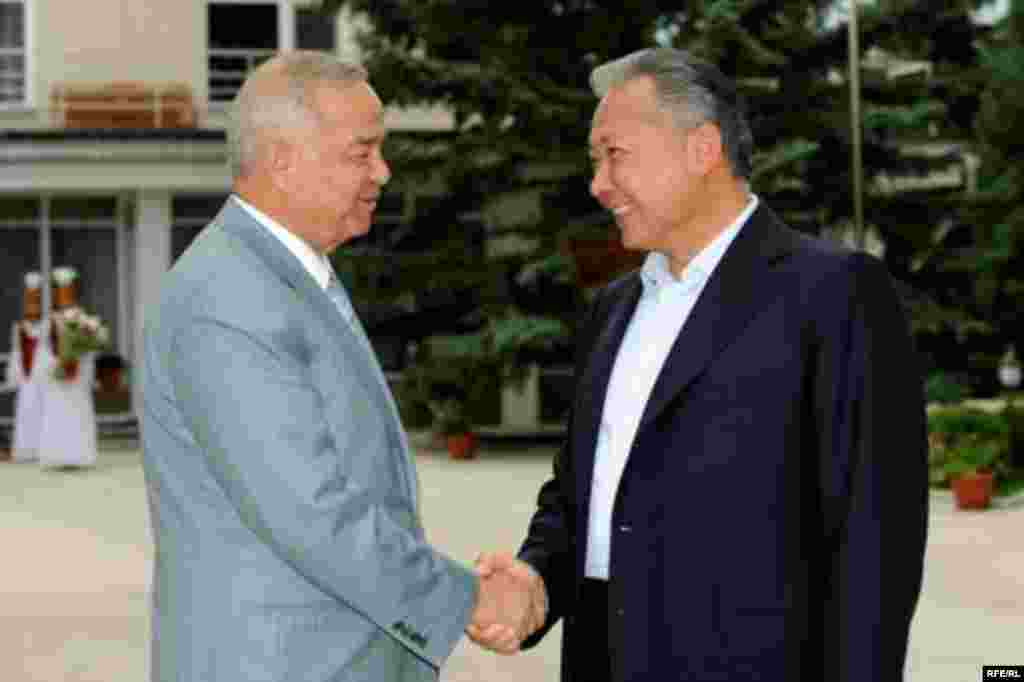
(282, 493)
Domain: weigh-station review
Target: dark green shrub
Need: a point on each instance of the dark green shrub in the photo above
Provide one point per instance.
(964, 439)
(943, 388)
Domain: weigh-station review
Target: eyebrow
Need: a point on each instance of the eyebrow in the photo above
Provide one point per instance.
(371, 137)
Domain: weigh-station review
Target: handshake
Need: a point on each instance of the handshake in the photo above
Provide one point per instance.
(512, 603)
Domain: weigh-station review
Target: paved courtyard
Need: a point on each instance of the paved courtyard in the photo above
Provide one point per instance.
(74, 569)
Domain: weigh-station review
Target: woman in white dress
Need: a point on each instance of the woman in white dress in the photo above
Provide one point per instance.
(68, 434)
(24, 373)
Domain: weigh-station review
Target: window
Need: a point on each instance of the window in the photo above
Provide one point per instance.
(13, 52)
(313, 31)
(244, 34)
(19, 233)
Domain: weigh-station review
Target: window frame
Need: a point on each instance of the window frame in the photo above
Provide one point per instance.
(285, 35)
(28, 51)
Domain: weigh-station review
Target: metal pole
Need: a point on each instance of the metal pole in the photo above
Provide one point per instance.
(857, 164)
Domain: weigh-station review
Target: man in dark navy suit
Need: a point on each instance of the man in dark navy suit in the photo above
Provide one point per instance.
(742, 494)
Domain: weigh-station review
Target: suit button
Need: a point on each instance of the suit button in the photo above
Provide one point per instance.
(625, 528)
(620, 612)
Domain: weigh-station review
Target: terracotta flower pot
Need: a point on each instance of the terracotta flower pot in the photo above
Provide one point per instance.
(461, 445)
(973, 490)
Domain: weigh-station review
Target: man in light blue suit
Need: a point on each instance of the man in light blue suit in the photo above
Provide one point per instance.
(282, 491)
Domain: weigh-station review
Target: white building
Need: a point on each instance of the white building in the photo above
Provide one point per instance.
(112, 154)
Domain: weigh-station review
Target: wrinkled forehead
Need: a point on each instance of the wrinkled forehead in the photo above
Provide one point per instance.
(354, 106)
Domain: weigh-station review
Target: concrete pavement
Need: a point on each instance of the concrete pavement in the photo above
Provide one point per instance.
(75, 553)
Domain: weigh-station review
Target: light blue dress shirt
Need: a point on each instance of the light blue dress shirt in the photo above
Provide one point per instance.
(664, 306)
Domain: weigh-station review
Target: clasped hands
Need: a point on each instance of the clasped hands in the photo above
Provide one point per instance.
(512, 603)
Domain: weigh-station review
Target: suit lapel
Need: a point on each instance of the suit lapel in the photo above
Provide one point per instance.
(733, 294)
(593, 385)
(236, 221)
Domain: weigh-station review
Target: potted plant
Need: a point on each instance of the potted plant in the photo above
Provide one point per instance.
(439, 384)
(454, 425)
(967, 450)
(456, 378)
(970, 469)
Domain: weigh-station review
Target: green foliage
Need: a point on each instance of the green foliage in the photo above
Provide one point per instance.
(952, 425)
(452, 375)
(442, 380)
(1010, 484)
(518, 92)
(914, 117)
(971, 457)
(1014, 415)
(1006, 65)
(506, 339)
(451, 417)
(943, 388)
(965, 439)
(996, 265)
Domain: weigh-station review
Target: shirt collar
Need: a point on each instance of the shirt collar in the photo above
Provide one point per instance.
(656, 273)
(316, 263)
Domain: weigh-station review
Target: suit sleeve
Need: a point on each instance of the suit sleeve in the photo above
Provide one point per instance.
(873, 444)
(550, 544)
(259, 420)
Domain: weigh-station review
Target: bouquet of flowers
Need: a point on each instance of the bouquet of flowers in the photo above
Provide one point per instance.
(77, 333)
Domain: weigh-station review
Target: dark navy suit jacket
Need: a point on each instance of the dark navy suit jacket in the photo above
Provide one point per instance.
(770, 523)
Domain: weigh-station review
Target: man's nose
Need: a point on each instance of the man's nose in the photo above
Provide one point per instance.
(381, 171)
(600, 185)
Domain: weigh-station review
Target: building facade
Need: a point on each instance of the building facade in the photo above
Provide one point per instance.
(112, 142)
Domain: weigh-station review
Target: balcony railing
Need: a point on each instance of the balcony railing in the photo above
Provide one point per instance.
(228, 69)
(122, 105)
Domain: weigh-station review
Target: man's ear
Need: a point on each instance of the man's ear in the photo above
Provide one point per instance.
(280, 162)
(705, 148)
(279, 156)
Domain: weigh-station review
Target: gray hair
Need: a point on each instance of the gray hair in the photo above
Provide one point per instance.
(691, 92)
(278, 96)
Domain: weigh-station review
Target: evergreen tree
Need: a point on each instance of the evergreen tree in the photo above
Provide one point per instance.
(1001, 130)
(514, 75)
(981, 272)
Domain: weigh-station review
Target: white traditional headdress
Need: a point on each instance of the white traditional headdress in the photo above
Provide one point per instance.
(64, 275)
(33, 280)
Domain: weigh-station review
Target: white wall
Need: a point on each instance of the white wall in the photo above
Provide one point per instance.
(149, 41)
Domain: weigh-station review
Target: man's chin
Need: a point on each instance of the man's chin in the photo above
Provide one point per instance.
(631, 242)
(358, 227)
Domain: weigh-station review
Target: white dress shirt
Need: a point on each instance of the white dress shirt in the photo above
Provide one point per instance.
(316, 263)
(664, 306)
